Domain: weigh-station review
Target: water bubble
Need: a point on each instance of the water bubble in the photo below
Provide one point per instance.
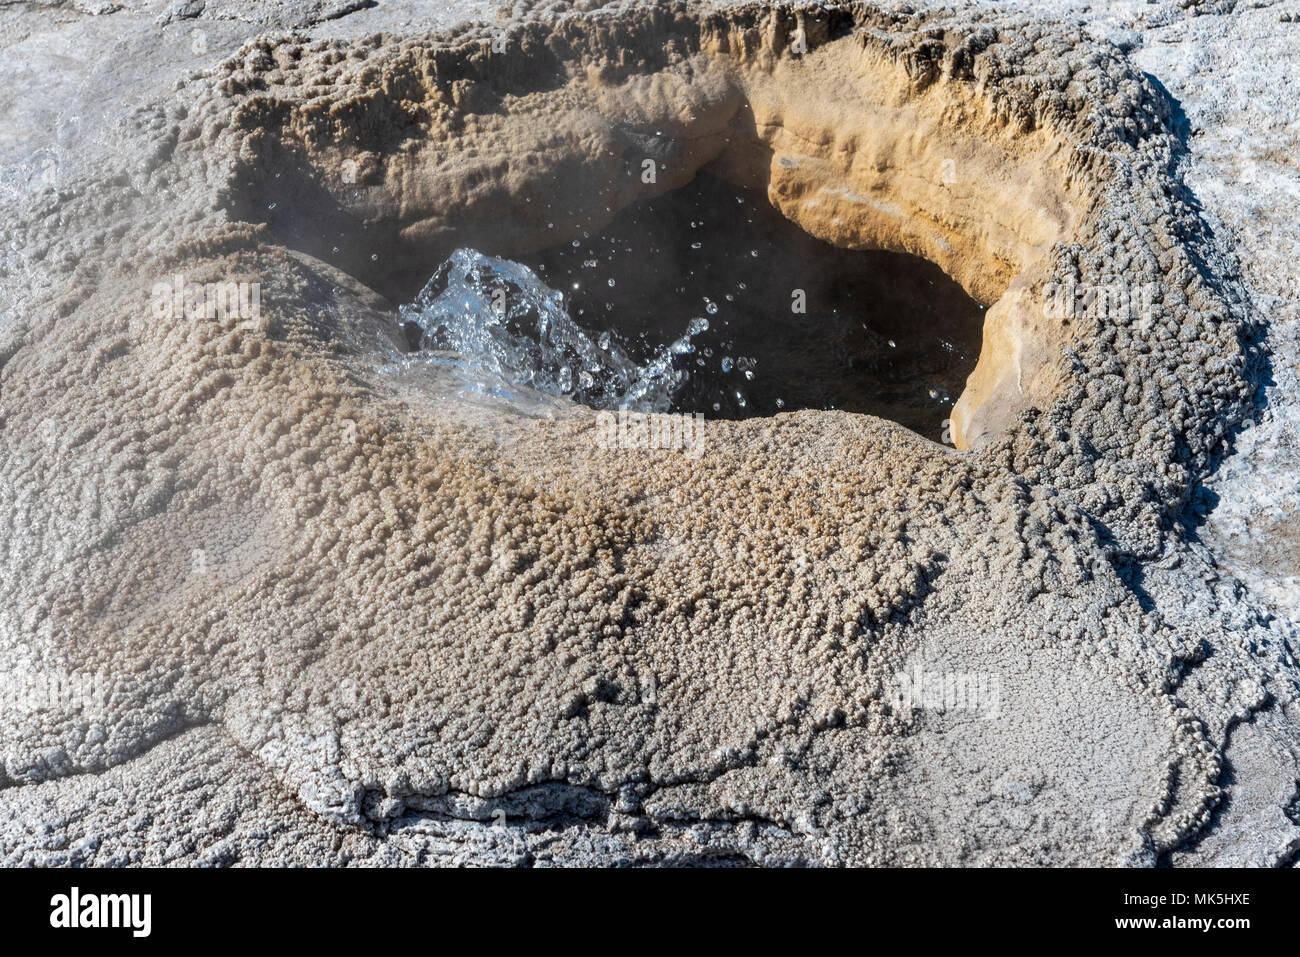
(697, 245)
(534, 344)
(893, 344)
(710, 307)
(780, 403)
(611, 283)
(727, 363)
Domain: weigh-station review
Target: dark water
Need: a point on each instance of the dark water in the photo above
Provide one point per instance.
(883, 333)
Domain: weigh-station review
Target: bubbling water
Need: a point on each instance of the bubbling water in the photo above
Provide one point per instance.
(705, 299)
(501, 329)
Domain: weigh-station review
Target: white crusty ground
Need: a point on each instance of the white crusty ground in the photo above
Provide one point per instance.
(409, 643)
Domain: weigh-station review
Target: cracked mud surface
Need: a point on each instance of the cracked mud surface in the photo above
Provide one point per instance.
(420, 633)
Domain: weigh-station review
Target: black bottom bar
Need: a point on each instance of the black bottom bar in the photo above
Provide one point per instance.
(365, 907)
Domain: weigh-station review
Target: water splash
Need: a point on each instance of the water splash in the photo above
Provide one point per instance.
(502, 330)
